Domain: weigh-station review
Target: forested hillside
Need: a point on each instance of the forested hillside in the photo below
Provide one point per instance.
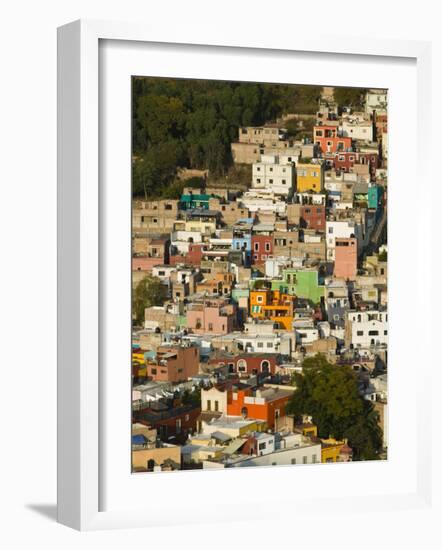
(191, 123)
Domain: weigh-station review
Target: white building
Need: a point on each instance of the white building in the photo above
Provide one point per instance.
(376, 100)
(357, 129)
(268, 343)
(305, 454)
(340, 229)
(367, 328)
(274, 174)
(263, 201)
(306, 334)
(214, 399)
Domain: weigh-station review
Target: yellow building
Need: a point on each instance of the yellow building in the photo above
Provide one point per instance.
(333, 450)
(205, 227)
(273, 305)
(309, 177)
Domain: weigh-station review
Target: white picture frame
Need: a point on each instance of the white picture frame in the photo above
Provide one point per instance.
(80, 441)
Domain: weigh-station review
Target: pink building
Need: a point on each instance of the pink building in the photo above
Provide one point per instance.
(346, 258)
(211, 317)
(155, 253)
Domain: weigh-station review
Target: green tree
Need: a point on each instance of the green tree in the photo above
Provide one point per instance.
(156, 169)
(150, 291)
(330, 395)
(349, 97)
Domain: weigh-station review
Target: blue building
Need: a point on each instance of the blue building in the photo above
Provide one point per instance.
(375, 194)
(242, 239)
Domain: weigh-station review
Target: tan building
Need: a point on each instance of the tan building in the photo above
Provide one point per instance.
(231, 211)
(285, 243)
(261, 135)
(154, 216)
(165, 457)
(174, 363)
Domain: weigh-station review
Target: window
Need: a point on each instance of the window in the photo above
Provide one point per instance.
(168, 207)
(186, 418)
(283, 182)
(260, 344)
(242, 365)
(155, 220)
(258, 180)
(153, 371)
(304, 460)
(262, 446)
(373, 332)
(270, 344)
(314, 459)
(178, 425)
(216, 406)
(161, 273)
(385, 332)
(293, 460)
(270, 180)
(265, 366)
(210, 326)
(267, 247)
(209, 405)
(260, 299)
(330, 230)
(360, 333)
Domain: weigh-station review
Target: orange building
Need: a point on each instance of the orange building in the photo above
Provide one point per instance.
(265, 403)
(273, 305)
(329, 139)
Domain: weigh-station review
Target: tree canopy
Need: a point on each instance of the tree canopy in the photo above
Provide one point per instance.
(149, 292)
(191, 123)
(329, 394)
(350, 97)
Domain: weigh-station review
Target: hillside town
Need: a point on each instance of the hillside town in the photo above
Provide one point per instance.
(242, 289)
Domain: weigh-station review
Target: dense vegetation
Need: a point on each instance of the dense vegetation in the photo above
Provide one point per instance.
(191, 123)
(329, 394)
(350, 97)
(149, 292)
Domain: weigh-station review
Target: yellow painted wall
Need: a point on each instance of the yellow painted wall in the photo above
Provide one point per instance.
(313, 180)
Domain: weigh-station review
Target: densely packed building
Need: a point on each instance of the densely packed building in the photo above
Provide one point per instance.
(256, 282)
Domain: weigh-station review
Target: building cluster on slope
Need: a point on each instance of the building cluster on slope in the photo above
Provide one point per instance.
(257, 281)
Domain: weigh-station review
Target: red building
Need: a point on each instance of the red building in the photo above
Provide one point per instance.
(172, 422)
(346, 258)
(193, 256)
(346, 160)
(249, 363)
(262, 248)
(328, 140)
(312, 217)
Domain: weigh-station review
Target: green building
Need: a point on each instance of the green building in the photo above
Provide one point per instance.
(302, 283)
(375, 193)
(192, 201)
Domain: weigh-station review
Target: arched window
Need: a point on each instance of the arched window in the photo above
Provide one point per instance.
(244, 412)
(265, 366)
(242, 365)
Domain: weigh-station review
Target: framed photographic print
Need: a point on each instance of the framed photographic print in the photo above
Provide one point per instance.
(230, 295)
